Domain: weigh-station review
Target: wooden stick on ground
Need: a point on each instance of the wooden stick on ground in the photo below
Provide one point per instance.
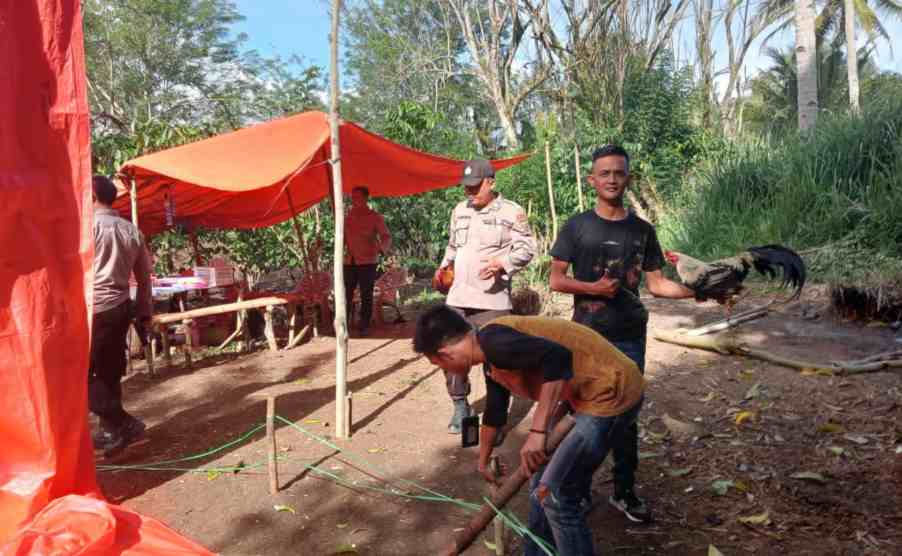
(734, 320)
(731, 346)
(511, 487)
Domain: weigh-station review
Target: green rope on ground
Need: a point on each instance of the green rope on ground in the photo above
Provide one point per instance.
(433, 496)
(142, 466)
(517, 526)
(363, 462)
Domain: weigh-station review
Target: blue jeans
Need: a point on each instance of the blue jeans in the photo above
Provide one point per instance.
(559, 493)
(626, 455)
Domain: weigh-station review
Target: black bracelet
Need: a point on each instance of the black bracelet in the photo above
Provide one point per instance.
(537, 431)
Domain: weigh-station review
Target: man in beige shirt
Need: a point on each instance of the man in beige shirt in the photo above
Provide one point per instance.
(119, 251)
(489, 241)
(366, 237)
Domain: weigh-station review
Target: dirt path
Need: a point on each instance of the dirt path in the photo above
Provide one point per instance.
(844, 429)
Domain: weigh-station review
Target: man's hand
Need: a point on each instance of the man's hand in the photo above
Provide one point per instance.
(490, 477)
(492, 269)
(605, 286)
(532, 454)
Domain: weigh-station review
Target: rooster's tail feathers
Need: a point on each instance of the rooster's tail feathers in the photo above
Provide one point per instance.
(766, 257)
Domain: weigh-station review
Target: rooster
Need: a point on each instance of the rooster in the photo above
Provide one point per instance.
(722, 280)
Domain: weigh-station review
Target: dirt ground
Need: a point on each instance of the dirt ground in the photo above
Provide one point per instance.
(847, 430)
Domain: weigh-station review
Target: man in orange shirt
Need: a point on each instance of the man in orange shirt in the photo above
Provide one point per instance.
(366, 237)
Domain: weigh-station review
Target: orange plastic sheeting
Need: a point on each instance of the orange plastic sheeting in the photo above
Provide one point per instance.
(46, 254)
(253, 177)
(90, 527)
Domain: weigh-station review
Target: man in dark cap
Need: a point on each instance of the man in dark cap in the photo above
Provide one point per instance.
(119, 251)
(489, 241)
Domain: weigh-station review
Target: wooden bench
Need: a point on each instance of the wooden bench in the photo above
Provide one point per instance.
(161, 322)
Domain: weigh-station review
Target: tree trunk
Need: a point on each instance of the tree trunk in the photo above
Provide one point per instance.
(806, 56)
(852, 56)
(342, 426)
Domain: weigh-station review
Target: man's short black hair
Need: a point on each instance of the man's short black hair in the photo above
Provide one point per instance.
(611, 150)
(438, 327)
(363, 189)
(104, 189)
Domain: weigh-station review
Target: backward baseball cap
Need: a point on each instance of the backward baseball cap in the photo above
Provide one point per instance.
(475, 171)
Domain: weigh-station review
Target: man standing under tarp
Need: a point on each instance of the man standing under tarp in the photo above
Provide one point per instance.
(119, 251)
(489, 241)
(366, 236)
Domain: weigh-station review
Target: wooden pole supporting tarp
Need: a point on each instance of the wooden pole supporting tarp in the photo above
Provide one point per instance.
(342, 419)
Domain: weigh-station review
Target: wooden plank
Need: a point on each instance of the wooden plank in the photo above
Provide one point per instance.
(269, 330)
(281, 299)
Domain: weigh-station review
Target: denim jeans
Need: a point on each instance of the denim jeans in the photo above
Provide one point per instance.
(559, 493)
(626, 455)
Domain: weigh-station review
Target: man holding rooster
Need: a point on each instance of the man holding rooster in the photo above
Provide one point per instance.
(609, 248)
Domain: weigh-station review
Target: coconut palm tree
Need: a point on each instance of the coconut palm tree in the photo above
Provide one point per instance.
(806, 56)
(840, 18)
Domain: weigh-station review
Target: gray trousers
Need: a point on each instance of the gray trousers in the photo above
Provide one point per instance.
(459, 386)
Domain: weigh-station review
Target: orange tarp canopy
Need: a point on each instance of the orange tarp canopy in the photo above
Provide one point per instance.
(253, 177)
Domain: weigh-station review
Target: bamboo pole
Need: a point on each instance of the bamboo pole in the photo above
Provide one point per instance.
(342, 418)
(498, 523)
(508, 490)
(133, 194)
(550, 189)
(297, 230)
(579, 177)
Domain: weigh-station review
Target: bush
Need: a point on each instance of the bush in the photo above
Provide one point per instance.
(837, 194)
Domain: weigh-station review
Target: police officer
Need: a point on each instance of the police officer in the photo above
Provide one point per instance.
(489, 241)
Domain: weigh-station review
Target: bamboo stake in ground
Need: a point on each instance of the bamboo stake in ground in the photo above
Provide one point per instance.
(495, 467)
(579, 177)
(511, 487)
(271, 446)
(550, 189)
(342, 422)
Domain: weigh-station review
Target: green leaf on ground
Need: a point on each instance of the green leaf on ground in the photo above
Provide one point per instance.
(721, 487)
(284, 508)
(758, 519)
(810, 476)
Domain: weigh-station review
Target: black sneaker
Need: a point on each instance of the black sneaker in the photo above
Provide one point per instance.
(632, 506)
(106, 442)
(461, 410)
(133, 432)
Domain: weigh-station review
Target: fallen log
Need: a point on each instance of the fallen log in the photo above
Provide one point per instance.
(729, 345)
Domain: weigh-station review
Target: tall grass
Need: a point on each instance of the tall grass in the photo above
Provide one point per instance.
(836, 196)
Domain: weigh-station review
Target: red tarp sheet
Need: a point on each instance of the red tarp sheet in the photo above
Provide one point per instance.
(252, 177)
(46, 251)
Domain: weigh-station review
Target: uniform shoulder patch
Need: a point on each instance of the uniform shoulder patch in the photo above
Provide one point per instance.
(521, 217)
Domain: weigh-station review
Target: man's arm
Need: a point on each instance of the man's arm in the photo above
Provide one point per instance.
(561, 282)
(497, 401)
(659, 286)
(508, 348)
(144, 295)
(532, 454)
(523, 245)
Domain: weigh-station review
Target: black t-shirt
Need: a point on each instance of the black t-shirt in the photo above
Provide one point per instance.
(510, 349)
(592, 244)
